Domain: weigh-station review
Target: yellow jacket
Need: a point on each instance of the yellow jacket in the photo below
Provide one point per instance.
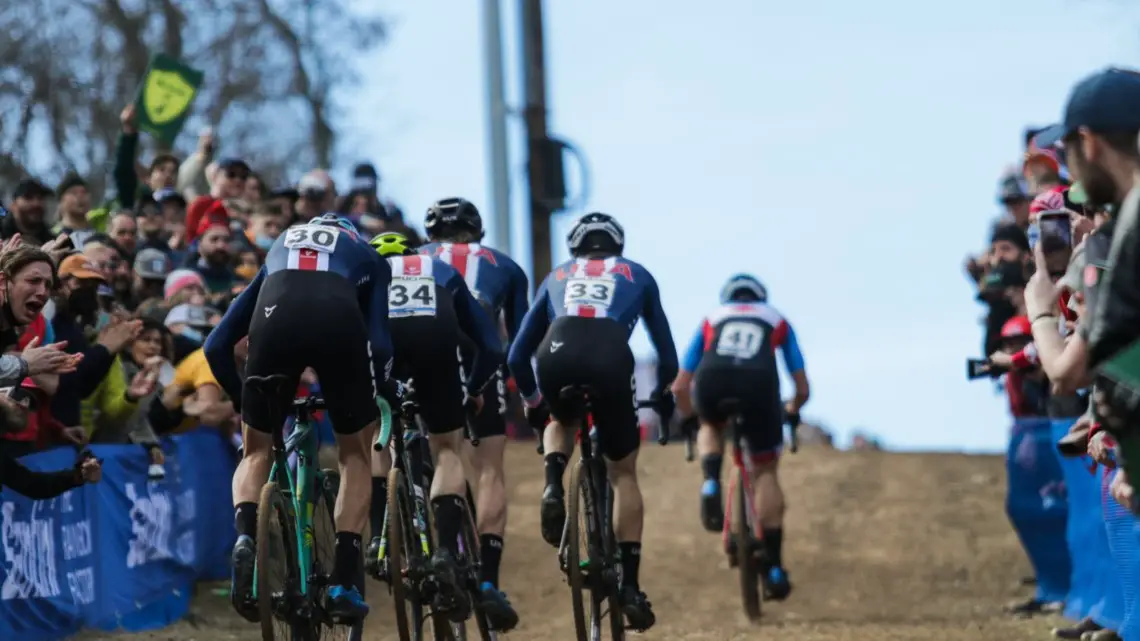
(107, 407)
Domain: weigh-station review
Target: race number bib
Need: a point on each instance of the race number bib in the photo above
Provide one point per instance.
(411, 296)
(740, 340)
(590, 291)
(321, 238)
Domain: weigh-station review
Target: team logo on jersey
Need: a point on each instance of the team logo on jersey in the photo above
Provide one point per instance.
(482, 252)
(619, 269)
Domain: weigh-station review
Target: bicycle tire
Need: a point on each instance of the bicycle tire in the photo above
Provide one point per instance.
(470, 533)
(578, 485)
(609, 546)
(324, 537)
(401, 536)
(274, 515)
(745, 550)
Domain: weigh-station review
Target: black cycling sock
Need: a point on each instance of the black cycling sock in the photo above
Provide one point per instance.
(348, 560)
(774, 545)
(245, 519)
(379, 505)
(448, 514)
(630, 562)
(555, 466)
(491, 549)
(710, 465)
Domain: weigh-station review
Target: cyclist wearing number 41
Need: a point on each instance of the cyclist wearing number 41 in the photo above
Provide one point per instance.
(578, 331)
(732, 356)
(430, 308)
(320, 301)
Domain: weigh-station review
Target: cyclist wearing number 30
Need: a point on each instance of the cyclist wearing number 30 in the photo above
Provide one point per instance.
(320, 301)
(578, 331)
(429, 307)
(732, 357)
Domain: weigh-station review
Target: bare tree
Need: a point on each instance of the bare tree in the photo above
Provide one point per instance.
(273, 72)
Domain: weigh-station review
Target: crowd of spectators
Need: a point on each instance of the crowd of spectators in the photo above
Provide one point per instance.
(1063, 301)
(105, 306)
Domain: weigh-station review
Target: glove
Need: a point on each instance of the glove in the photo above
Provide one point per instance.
(664, 404)
(394, 392)
(537, 417)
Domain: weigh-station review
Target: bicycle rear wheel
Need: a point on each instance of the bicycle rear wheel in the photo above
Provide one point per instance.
(611, 578)
(278, 574)
(472, 564)
(324, 549)
(579, 574)
(746, 563)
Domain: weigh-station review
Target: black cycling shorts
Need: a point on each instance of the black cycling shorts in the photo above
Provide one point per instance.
(761, 411)
(310, 319)
(492, 419)
(593, 352)
(427, 352)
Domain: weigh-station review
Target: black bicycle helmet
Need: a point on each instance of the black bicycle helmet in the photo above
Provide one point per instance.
(596, 232)
(455, 213)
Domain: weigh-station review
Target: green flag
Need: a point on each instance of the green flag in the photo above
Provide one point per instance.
(165, 95)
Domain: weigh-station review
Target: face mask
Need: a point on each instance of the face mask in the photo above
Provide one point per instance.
(246, 272)
(193, 335)
(263, 242)
(83, 303)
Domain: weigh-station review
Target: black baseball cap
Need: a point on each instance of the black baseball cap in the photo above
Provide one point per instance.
(1108, 100)
(31, 187)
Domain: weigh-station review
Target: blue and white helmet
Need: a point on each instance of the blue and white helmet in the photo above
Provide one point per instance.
(743, 282)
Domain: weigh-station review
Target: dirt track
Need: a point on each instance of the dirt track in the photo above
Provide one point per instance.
(880, 546)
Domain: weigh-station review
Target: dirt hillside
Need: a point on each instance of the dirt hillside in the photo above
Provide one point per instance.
(880, 546)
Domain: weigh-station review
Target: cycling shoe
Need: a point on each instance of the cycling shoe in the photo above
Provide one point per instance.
(553, 515)
(451, 598)
(244, 558)
(345, 605)
(712, 507)
(637, 609)
(501, 616)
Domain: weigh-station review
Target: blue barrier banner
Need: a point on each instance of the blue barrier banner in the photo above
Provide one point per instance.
(123, 553)
(1123, 546)
(1094, 588)
(1037, 505)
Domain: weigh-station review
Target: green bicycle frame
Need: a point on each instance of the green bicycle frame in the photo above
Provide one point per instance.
(300, 495)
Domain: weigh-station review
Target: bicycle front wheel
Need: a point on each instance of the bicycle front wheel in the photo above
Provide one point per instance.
(745, 549)
(278, 574)
(402, 548)
(579, 572)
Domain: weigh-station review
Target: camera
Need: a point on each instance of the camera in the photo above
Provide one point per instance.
(982, 368)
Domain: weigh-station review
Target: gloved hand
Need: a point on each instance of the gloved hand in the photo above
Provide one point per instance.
(395, 392)
(664, 403)
(538, 416)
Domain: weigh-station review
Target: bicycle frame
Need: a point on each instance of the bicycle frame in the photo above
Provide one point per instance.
(742, 461)
(412, 467)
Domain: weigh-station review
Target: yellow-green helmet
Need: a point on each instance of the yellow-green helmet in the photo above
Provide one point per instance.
(391, 243)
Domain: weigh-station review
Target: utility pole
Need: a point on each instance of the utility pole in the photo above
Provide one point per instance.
(534, 81)
(498, 169)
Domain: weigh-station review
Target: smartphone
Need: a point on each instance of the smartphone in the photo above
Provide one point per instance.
(1055, 227)
(67, 244)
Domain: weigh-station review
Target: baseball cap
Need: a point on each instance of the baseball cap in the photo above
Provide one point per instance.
(1012, 188)
(152, 264)
(81, 267)
(1108, 100)
(69, 181)
(167, 195)
(233, 163)
(31, 187)
(312, 184)
(192, 315)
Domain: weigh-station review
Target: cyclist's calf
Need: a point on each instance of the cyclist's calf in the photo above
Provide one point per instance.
(487, 459)
(449, 477)
(355, 495)
(629, 510)
(769, 496)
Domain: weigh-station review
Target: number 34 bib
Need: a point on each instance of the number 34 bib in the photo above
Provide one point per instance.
(411, 296)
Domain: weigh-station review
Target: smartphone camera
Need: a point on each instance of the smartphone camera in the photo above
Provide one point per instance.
(1055, 231)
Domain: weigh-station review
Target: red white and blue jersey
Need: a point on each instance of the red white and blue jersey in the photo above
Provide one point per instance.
(609, 289)
(496, 281)
(744, 335)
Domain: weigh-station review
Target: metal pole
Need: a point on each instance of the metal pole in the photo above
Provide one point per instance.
(534, 79)
(500, 206)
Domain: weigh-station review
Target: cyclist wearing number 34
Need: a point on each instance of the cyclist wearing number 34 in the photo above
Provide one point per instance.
(320, 301)
(578, 331)
(732, 359)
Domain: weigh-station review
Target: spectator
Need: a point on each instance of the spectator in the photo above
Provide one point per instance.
(229, 183)
(265, 225)
(1002, 279)
(284, 202)
(1014, 197)
(317, 195)
(192, 179)
(1042, 169)
(254, 191)
(115, 294)
(124, 232)
(151, 268)
(74, 203)
(162, 173)
(194, 387)
(27, 213)
(77, 307)
(213, 263)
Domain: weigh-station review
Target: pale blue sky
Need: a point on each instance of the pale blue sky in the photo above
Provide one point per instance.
(844, 152)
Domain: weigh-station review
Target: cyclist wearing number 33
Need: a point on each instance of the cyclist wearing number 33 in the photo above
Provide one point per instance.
(732, 358)
(578, 331)
(320, 301)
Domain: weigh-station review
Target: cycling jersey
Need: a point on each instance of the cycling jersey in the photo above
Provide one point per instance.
(744, 335)
(314, 249)
(615, 289)
(412, 293)
(495, 280)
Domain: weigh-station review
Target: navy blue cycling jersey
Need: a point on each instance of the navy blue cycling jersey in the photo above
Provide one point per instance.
(494, 279)
(309, 247)
(412, 293)
(611, 288)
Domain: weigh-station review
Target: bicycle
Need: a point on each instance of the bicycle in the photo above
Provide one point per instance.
(750, 558)
(406, 566)
(287, 518)
(590, 489)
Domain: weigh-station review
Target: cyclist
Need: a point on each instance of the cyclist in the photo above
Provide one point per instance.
(732, 356)
(454, 228)
(578, 331)
(430, 308)
(320, 301)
